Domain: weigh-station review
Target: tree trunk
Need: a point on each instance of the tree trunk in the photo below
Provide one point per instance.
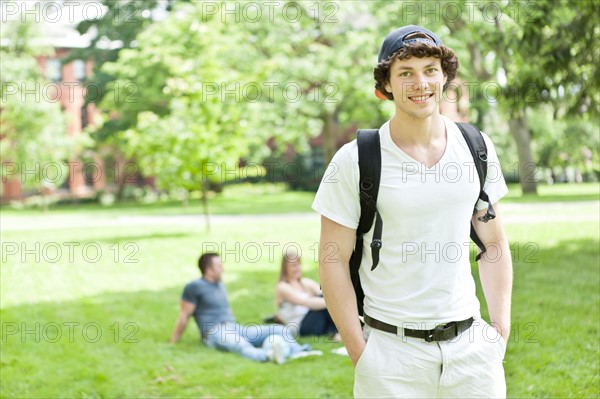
(519, 129)
(205, 206)
(185, 201)
(330, 134)
(120, 175)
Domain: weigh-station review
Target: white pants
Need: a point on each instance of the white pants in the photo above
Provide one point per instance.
(469, 366)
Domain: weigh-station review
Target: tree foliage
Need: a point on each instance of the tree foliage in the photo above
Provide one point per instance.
(222, 90)
(197, 88)
(115, 30)
(531, 55)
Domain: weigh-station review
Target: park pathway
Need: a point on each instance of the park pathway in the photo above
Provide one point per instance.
(513, 213)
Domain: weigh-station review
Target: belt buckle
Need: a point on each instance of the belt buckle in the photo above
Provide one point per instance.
(429, 336)
(440, 331)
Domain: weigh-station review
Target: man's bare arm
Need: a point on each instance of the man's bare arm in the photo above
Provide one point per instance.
(336, 246)
(495, 271)
(187, 309)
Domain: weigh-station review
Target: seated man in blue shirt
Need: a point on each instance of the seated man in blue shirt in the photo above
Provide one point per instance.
(206, 299)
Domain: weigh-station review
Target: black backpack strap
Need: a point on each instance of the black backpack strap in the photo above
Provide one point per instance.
(478, 149)
(369, 164)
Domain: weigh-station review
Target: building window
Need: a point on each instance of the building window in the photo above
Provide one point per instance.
(79, 70)
(54, 69)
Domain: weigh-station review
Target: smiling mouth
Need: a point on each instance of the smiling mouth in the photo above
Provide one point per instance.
(421, 98)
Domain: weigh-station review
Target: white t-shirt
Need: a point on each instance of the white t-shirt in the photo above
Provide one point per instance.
(292, 314)
(424, 274)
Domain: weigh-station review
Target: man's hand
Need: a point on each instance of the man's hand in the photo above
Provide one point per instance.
(359, 348)
(503, 331)
(335, 249)
(187, 309)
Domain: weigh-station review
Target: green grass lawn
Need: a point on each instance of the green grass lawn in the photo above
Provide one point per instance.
(555, 193)
(234, 200)
(87, 311)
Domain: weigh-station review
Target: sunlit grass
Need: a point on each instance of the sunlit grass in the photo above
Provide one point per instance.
(96, 323)
(268, 199)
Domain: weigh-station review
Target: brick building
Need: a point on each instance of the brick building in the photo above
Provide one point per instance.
(67, 83)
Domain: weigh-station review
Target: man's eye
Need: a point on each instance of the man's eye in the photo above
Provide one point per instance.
(404, 74)
(431, 71)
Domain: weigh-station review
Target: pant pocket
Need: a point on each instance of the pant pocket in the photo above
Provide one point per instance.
(502, 345)
(364, 355)
(492, 336)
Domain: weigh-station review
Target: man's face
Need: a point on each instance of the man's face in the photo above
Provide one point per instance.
(417, 85)
(216, 268)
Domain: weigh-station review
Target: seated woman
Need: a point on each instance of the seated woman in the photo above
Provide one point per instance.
(300, 302)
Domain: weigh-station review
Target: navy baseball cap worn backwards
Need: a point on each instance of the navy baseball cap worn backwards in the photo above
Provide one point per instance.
(395, 40)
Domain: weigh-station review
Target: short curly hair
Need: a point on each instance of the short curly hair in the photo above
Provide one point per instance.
(206, 260)
(447, 56)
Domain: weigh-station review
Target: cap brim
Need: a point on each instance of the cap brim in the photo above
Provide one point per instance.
(380, 95)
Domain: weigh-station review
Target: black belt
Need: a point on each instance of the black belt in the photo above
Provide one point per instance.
(440, 333)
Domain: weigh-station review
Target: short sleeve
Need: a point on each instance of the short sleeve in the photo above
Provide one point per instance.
(494, 185)
(337, 197)
(189, 294)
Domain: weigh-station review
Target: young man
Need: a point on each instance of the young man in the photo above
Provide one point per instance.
(423, 280)
(206, 299)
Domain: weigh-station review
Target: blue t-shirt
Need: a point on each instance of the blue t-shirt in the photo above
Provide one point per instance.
(212, 305)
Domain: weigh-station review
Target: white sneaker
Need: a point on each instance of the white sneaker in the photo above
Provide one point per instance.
(340, 351)
(298, 355)
(276, 353)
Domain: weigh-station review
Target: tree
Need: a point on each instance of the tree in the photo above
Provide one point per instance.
(567, 144)
(541, 53)
(318, 80)
(187, 132)
(293, 78)
(116, 30)
(516, 57)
